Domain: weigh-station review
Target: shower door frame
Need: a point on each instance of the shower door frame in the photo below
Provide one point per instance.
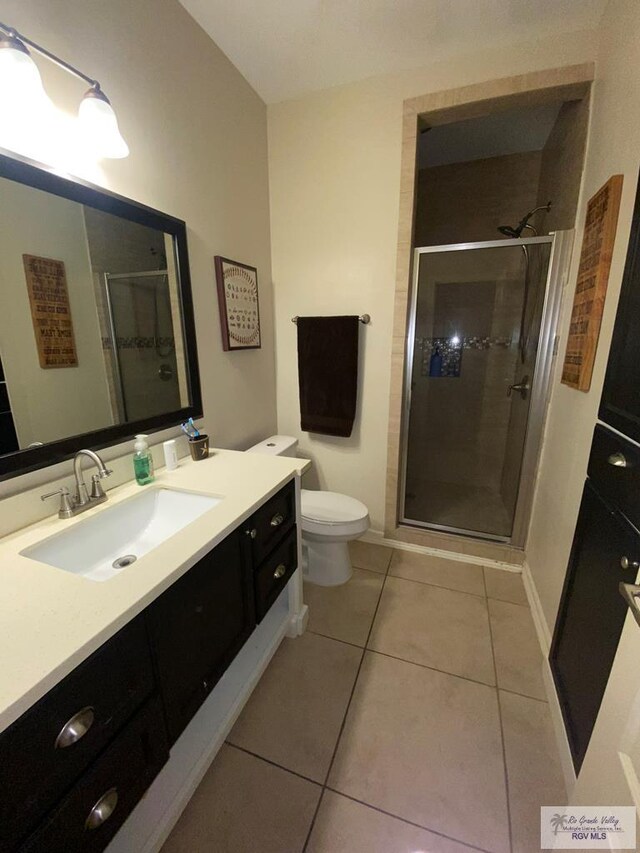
(557, 273)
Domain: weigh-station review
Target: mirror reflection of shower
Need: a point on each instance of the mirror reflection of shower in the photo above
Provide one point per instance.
(516, 233)
(144, 365)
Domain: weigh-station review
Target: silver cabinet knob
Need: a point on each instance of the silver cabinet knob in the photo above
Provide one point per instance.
(102, 810)
(280, 570)
(277, 520)
(618, 460)
(252, 533)
(626, 563)
(75, 728)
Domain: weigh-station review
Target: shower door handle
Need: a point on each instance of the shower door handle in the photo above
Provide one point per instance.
(523, 387)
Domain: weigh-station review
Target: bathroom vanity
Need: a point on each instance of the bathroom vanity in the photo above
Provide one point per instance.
(116, 688)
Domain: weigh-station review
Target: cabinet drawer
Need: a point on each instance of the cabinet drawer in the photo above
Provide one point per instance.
(97, 806)
(198, 625)
(618, 484)
(271, 577)
(270, 523)
(44, 751)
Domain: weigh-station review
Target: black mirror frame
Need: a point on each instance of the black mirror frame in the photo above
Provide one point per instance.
(40, 177)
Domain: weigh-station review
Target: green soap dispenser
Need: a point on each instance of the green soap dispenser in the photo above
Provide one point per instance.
(143, 461)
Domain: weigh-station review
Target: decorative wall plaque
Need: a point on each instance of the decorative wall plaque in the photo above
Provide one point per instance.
(50, 311)
(591, 286)
(238, 304)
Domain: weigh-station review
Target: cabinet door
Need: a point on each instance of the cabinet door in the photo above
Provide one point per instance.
(198, 625)
(591, 615)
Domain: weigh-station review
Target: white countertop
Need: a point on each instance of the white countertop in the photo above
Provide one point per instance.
(51, 620)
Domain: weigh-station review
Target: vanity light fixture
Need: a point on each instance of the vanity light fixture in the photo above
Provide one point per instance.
(21, 85)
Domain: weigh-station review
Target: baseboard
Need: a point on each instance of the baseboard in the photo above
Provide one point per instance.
(377, 537)
(542, 629)
(544, 638)
(564, 750)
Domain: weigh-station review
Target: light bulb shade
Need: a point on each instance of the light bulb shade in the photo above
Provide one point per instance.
(20, 82)
(100, 125)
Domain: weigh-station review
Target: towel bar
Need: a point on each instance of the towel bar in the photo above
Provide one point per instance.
(364, 318)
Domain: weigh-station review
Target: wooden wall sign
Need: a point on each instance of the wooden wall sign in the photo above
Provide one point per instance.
(591, 287)
(238, 304)
(50, 311)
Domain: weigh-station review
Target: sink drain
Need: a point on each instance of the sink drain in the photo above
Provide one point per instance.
(123, 562)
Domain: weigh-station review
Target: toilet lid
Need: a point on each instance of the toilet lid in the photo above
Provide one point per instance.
(331, 507)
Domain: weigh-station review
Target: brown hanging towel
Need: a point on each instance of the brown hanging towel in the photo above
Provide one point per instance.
(328, 374)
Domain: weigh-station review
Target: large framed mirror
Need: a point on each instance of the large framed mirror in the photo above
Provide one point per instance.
(97, 334)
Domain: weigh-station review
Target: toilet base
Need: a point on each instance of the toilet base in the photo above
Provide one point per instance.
(326, 563)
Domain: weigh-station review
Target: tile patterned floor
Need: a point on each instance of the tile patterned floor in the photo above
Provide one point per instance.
(410, 717)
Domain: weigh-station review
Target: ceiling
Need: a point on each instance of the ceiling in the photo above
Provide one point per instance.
(507, 132)
(287, 48)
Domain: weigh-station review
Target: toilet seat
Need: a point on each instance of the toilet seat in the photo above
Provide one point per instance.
(333, 514)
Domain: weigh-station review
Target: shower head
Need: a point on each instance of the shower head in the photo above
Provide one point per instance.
(516, 232)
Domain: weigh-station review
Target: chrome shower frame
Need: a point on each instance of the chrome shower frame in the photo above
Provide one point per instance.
(557, 273)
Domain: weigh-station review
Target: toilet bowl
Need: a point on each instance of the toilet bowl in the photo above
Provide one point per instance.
(329, 522)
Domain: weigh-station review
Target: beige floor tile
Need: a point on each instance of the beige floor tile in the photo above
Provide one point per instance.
(517, 651)
(434, 627)
(344, 612)
(366, 555)
(439, 571)
(426, 746)
(344, 826)
(294, 715)
(505, 586)
(234, 809)
(533, 765)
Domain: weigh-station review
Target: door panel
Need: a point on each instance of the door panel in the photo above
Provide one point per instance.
(474, 334)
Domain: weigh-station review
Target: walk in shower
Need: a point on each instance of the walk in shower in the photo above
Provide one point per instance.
(479, 349)
(141, 347)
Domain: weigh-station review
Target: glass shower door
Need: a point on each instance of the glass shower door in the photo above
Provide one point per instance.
(473, 341)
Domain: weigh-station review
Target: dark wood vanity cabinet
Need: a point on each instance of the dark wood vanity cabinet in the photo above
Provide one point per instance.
(197, 627)
(73, 767)
(605, 548)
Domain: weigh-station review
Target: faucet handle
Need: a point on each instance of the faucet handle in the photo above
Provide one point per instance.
(66, 501)
(96, 487)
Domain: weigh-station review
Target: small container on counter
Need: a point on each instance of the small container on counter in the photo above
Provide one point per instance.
(170, 454)
(199, 447)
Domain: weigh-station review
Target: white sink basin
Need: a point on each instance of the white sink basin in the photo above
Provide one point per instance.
(102, 546)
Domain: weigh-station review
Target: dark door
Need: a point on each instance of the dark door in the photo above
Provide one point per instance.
(198, 626)
(620, 404)
(592, 614)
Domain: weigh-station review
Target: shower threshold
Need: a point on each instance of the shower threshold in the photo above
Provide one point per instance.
(458, 531)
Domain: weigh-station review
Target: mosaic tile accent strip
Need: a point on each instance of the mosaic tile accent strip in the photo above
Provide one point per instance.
(139, 342)
(450, 349)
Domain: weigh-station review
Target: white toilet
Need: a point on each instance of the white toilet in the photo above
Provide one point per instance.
(329, 521)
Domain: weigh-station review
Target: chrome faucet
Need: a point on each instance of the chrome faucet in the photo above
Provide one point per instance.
(82, 500)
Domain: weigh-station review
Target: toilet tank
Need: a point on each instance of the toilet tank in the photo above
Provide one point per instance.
(276, 445)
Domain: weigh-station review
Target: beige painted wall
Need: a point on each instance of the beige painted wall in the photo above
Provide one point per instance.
(613, 145)
(48, 404)
(197, 134)
(334, 165)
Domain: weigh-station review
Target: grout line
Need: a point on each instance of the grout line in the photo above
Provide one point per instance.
(346, 712)
(274, 763)
(483, 595)
(432, 668)
(407, 821)
(504, 749)
(329, 637)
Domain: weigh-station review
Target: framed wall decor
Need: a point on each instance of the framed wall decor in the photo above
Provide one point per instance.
(591, 286)
(238, 304)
